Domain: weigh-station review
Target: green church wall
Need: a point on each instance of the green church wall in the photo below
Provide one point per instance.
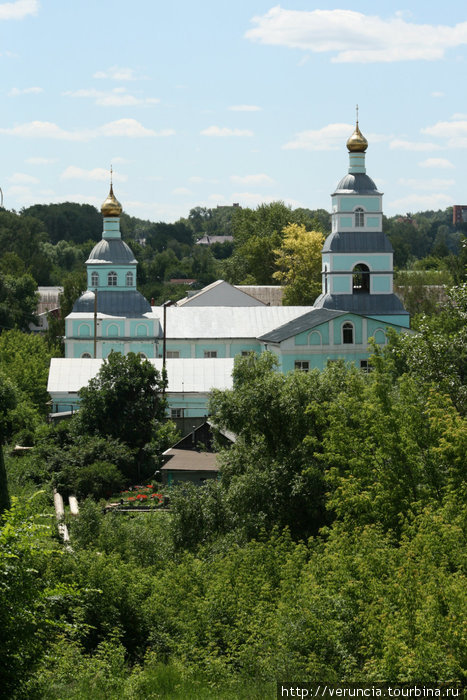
(375, 262)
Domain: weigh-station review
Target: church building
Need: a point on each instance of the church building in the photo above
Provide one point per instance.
(204, 334)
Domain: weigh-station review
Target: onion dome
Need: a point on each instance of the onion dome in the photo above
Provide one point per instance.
(111, 206)
(357, 143)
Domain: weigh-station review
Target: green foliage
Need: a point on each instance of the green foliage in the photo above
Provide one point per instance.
(67, 221)
(299, 263)
(18, 301)
(27, 597)
(257, 234)
(123, 401)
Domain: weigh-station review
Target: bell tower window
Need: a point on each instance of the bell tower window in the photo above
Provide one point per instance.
(361, 279)
(112, 279)
(359, 217)
(94, 279)
(129, 279)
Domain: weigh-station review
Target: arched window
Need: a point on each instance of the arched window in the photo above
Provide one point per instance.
(361, 279)
(380, 336)
(113, 331)
(84, 330)
(325, 289)
(86, 356)
(359, 217)
(141, 330)
(129, 279)
(347, 333)
(112, 279)
(94, 279)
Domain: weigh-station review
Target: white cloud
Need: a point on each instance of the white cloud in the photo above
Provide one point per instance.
(181, 190)
(413, 145)
(14, 92)
(329, 138)
(122, 127)
(96, 174)
(41, 161)
(22, 179)
(354, 37)
(118, 97)
(420, 202)
(197, 179)
(454, 131)
(225, 131)
(437, 94)
(116, 73)
(244, 108)
(433, 184)
(260, 179)
(436, 163)
(19, 9)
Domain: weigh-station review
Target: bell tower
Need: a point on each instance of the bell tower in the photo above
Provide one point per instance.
(357, 257)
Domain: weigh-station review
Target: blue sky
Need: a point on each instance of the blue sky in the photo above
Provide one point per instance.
(215, 102)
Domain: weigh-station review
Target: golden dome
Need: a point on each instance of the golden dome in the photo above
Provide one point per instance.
(111, 206)
(357, 143)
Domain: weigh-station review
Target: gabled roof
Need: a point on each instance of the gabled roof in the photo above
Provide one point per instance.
(300, 324)
(220, 293)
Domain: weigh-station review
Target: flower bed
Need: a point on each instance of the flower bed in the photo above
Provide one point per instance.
(141, 496)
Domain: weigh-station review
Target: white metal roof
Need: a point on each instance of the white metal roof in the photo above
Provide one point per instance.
(69, 375)
(219, 322)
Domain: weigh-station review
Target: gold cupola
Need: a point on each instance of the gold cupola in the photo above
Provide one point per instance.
(111, 206)
(357, 143)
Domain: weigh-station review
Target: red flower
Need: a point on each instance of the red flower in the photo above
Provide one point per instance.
(149, 486)
(131, 498)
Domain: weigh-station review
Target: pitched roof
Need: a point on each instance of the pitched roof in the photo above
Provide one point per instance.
(300, 324)
(190, 460)
(220, 322)
(220, 293)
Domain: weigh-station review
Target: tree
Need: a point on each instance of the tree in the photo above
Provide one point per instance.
(123, 401)
(7, 403)
(18, 301)
(299, 263)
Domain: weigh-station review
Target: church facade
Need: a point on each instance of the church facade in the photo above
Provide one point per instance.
(357, 303)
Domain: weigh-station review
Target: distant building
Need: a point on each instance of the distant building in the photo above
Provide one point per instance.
(210, 240)
(459, 214)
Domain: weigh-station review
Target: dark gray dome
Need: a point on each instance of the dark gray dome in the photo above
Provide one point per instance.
(112, 250)
(122, 303)
(356, 183)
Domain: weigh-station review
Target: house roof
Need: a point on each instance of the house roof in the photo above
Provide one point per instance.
(363, 304)
(357, 242)
(185, 376)
(220, 293)
(300, 324)
(190, 460)
(220, 322)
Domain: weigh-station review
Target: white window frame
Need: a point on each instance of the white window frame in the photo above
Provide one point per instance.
(302, 365)
(112, 279)
(210, 354)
